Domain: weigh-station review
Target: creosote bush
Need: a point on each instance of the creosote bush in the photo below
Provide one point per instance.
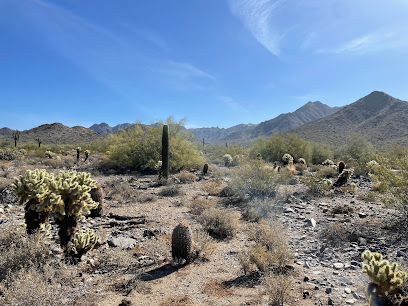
(219, 223)
(255, 179)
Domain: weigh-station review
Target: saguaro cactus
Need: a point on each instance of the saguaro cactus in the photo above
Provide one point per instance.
(165, 151)
(16, 136)
(78, 150)
(181, 242)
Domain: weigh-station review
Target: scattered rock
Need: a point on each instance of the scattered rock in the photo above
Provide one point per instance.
(122, 242)
(338, 265)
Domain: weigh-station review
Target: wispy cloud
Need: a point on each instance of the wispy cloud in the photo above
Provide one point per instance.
(257, 16)
(232, 104)
(372, 42)
(184, 76)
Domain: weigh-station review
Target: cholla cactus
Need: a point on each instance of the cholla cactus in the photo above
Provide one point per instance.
(227, 158)
(78, 150)
(23, 151)
(181, 242)
(49, 154)
(343, 177)
(87, 152)
(287, 159)
(159, 169)
(84, 241)
(328, 162)
(33, 190)
(372, 166)
(302, 161)
(45, 230)
(70, 199)
(386, 279)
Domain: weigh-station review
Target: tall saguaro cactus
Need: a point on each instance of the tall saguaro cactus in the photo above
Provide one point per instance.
(165, 151)
(16, 136)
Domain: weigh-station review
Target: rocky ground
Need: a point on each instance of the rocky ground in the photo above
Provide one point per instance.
(133, 261)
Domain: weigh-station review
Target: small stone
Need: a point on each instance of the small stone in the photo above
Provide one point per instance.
(305, 279)
(347, 290)
(362, 215)
(311, 222)
(400, 254)
(338, 265)
(328, 290)
(362, 241)
(122, 242)
(350, 301)
(288, 210)
(330, 302)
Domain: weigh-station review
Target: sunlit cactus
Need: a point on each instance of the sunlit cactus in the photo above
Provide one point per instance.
(97, 195)
(302, 161)
(343, 177)
(33, 191)
(84, 241)
(386, 279)
(287, 159)
(227, 158)
(70, 199)
(87, 152)
(181, 242)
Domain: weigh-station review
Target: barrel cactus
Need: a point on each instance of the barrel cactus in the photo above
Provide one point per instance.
(205, 168)
(78, 150)
(287, 159)
(181, 242)
(342, 166)
(33, 191)
(97, 195)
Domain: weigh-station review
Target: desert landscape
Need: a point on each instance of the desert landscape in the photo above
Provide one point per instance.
(278, 221)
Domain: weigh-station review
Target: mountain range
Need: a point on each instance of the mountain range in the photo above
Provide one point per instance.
(382, 119)
(378, 116)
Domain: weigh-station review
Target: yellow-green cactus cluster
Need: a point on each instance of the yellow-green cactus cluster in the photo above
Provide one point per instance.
(328, 162)
(70, 194)
(302, 161)
(34, 185)
(85, 241)
(382, 272)
(287, 159)
(49, 154)
(45, 230)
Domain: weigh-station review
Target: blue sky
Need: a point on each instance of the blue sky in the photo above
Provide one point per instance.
(214, 62)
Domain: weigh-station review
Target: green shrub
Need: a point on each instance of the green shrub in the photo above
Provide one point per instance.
(357, 150)
(255, 179)
(139, 148)
(390, 176)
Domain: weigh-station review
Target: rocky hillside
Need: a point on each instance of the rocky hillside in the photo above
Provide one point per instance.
(55, 133)
(104, 128)
(216, 134)
(309, 112)
(378, 116)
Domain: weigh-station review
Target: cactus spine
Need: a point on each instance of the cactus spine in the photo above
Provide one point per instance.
(181, 242)
(165, 151)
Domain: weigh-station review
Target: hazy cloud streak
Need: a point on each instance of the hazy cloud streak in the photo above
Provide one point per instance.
(257, 16)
